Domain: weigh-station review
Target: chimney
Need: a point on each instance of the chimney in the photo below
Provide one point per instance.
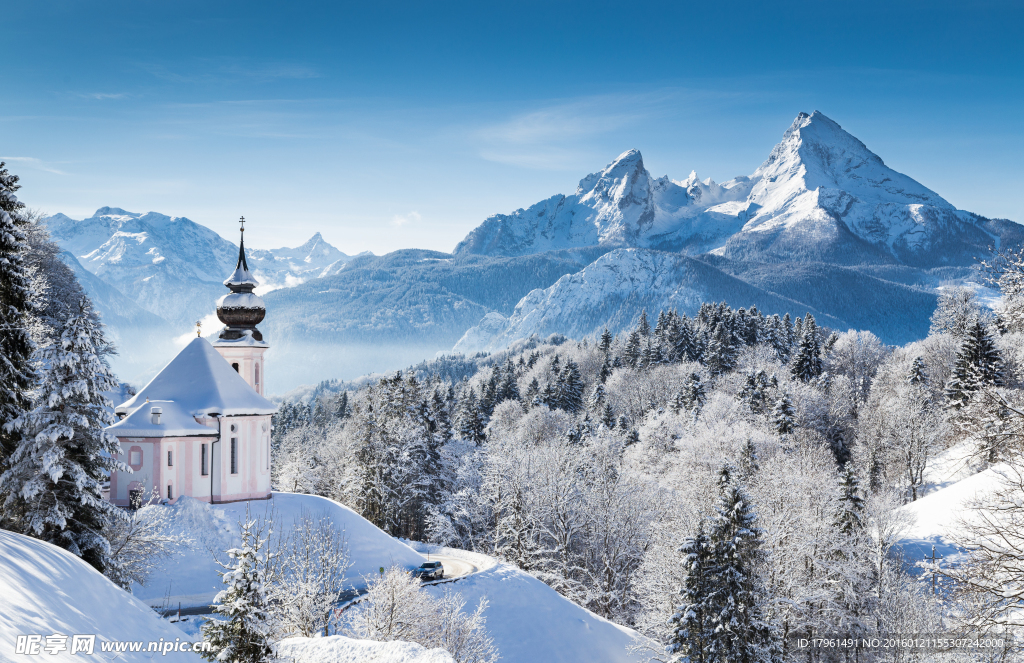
(156, 412)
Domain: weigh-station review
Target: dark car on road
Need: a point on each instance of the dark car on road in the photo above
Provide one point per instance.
(429, 571)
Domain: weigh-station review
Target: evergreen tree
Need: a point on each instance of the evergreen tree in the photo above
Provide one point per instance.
(606, 341)
(642, 325)
(341, 410)
(686, 345)
(692, 624)
(532, 391)
(246, 635)
(608, 417)
(508, 389)
(850, 517)
(569, 393)
(596, 397)
(782, 415)
(16, 373)
(606, 370)
(52, 485)
(472, 421)
(917, 373)
(633, 349)
(978, 364)
(807, 363)
(720, 355)
(739, 633)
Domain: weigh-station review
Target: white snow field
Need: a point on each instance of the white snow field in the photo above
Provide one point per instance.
(339, 649)
(45, 590)
(937, 514)
(191, 578)
(529, 621)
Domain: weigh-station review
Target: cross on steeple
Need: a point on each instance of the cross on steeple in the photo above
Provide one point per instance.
(241, 220)
(199, 328)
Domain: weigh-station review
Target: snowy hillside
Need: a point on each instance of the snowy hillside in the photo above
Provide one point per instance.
(190, 577)
(530, 621)
(45, 590)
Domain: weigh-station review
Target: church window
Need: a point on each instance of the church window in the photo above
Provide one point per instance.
(235, 366)
(257, 375)
(135, 457)
(170, 492)
(170, 458)
(234, 455)
(205, 470)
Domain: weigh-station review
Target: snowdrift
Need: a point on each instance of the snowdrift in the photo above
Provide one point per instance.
(45, 590)
(190, 577)
(339, 649)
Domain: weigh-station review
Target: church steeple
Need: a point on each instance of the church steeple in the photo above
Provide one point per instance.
(241, 309)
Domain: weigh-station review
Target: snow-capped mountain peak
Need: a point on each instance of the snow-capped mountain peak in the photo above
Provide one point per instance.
(821, 195)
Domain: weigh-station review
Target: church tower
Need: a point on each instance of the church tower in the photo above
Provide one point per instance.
(240, 343)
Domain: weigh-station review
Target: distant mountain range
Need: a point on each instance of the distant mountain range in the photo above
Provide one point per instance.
(823, 225)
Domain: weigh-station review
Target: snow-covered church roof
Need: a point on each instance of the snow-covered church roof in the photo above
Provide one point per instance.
(201, 382)
(160, 419)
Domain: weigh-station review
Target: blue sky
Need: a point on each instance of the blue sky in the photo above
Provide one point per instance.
(395, 125)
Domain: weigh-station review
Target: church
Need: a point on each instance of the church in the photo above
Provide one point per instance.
(201, 427)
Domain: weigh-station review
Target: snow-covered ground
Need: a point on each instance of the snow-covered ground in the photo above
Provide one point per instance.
(951, 482)
(46, 591)
(191, 578)
(339, 649)
(531, 622)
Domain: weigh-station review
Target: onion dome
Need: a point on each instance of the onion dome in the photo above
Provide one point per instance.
(241, 309)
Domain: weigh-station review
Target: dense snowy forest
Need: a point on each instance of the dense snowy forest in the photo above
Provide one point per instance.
(722, 483)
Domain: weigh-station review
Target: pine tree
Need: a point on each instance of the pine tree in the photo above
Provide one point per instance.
(246, 635)
(692, 629)
(16, 372)
(633, 349)
(807, 363)
(720, 356)
(341, 410)
(782, 415)
(606, 341)
(569, 391)
(978, 363)
(608, 417)
(917, 373)
(642, 325)
(472, 421)
(850, 517)
(53, 482)
(739, 632)
(606, 370)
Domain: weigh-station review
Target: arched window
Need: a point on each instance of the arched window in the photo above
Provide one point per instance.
(235, 366)
(257, 375)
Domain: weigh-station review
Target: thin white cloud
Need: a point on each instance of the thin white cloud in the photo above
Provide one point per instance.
(560, 134)
(104, 95)
(400, 220)
(34, 163)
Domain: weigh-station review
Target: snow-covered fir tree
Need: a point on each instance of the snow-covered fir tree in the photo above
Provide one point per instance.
(16, 309)
(246, 635)
(52, 485)
(739, 633)
(692, 626)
